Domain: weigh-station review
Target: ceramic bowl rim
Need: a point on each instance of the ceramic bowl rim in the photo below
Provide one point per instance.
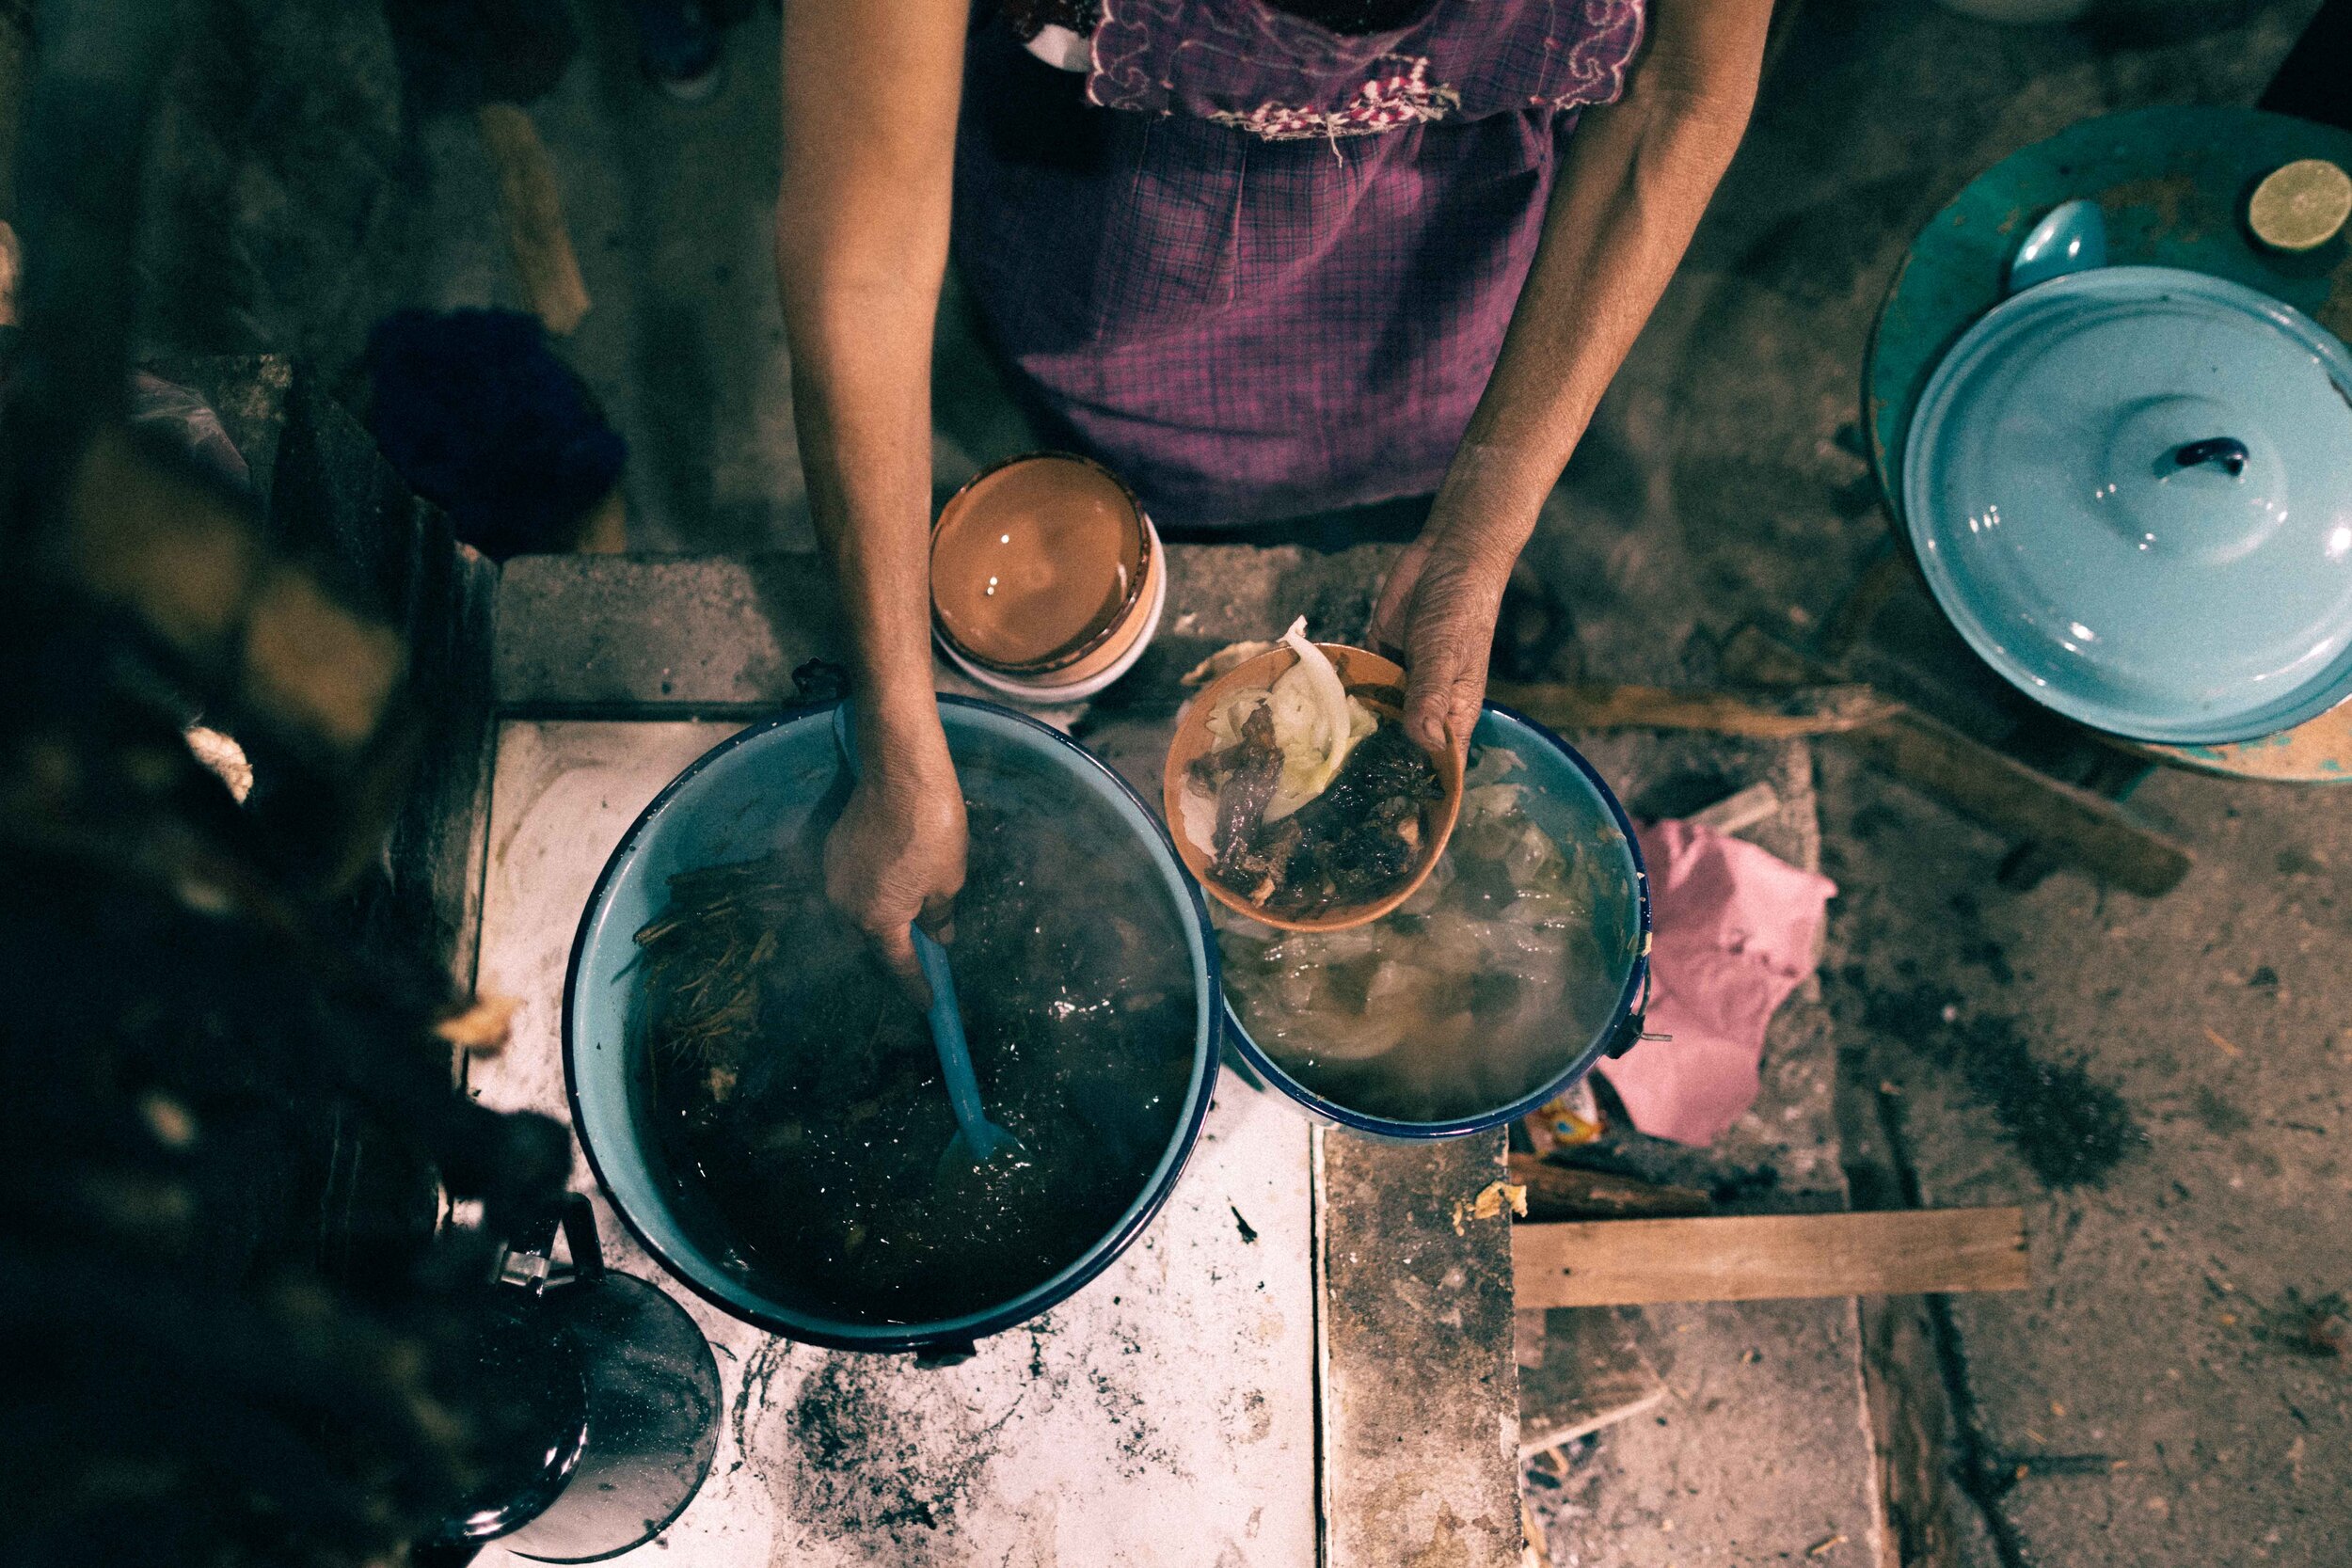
(1193, 716)
(1086, 687)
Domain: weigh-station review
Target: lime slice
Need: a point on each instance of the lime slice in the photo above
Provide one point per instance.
(2301, 205)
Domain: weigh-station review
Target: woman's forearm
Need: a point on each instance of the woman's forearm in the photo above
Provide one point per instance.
(1636, 177)
(861, 409)
(869, 114)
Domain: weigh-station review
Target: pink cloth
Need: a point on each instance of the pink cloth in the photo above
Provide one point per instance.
(1734, 931)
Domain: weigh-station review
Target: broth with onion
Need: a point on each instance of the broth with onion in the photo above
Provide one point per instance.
(1474, 994)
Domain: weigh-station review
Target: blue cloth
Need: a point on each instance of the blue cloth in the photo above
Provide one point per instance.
(478, 416)
(680, 38)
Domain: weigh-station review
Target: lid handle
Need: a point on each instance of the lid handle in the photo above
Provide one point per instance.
(2226, 452)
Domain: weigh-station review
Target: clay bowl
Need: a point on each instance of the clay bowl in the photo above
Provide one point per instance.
(1041, 570)
(1096, 670)
(1379, 685)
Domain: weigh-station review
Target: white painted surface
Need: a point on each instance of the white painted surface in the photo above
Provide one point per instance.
(1163, 1417)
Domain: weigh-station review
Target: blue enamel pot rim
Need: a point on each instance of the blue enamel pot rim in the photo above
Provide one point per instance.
(951, 1334)
(1615, 1037)
(1929, 416)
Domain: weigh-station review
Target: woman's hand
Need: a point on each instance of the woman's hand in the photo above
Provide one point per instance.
(898, 853)
(1438, 609)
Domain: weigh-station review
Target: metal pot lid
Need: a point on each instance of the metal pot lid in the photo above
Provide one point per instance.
(2131, 490)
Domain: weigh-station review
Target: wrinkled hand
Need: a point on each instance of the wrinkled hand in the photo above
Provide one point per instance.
(1438, 609)
(898, 853)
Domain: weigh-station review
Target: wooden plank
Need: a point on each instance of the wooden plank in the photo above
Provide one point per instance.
(1581, 1369)
(533, 208)
(1780, 716)
(2081, 827)
(1753, 656)
(1763, 1257)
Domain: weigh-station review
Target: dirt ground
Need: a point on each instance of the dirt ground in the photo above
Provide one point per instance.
(2160, 1083)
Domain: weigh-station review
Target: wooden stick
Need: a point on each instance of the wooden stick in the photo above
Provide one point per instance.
(1581, 1369)
(2078, 826)
(1778, 716)
(1736, 812)
(1760, 1256)
(607, 529)
(1534, 1553)
(1569, 1192)
(534, 207)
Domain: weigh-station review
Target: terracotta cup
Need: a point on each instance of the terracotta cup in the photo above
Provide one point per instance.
(1379, 685)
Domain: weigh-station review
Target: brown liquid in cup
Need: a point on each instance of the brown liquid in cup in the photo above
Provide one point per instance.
(1033, 561)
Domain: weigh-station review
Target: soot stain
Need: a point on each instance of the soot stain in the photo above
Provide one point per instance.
(1135, 1437)
(752, 1394)
(2296, 862)
(2319, 1327)
(2217, 1114)
(1976, 946)
(862, 1471)
(2071, 1128)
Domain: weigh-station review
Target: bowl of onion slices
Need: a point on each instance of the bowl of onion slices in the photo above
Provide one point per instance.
(1294, 794)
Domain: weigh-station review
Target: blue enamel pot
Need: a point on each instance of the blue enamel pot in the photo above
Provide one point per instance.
(732, 804)
(1569, 803)
(2130, 488)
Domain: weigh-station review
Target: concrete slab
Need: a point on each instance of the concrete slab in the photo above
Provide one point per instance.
(1758, 1453)
(614, 633)
(1421, 1457)
(1165, 1416)
(723, 633)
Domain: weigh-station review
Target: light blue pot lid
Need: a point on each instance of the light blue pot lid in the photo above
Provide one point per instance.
(2131, 490)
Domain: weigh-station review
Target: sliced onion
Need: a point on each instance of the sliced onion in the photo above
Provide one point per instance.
(1197, 808)
(1313, 701)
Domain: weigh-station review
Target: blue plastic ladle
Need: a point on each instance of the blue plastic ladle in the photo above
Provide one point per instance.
(978, 1140)
(981, 1139)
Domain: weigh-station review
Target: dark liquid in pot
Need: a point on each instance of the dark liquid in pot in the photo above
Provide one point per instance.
(798, 1094)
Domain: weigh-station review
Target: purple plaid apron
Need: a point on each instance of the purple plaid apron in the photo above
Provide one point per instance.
(1260, 268)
